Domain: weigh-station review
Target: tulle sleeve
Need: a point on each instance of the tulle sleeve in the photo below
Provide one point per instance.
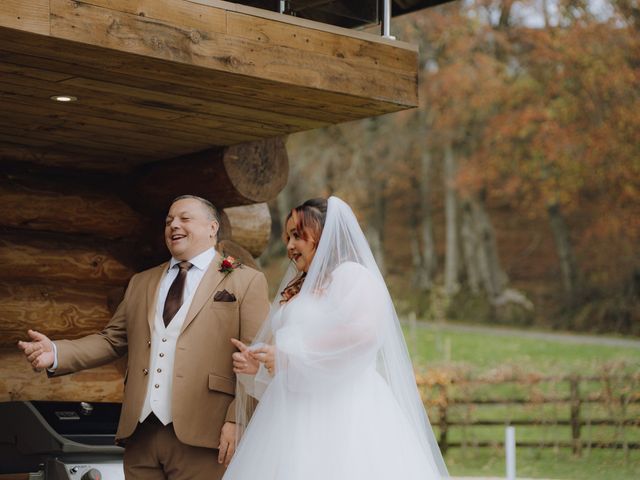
(334, 335)
(255, 385)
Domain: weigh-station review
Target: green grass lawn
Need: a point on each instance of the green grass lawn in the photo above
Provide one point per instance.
(480, 354)
(546, 463)
(483, 351)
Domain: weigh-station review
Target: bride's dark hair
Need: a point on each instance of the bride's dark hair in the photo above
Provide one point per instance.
(309, 218)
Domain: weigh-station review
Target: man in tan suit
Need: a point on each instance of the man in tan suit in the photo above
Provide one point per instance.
(175, 323)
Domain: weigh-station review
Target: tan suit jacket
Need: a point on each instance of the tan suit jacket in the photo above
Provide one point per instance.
(203, 378)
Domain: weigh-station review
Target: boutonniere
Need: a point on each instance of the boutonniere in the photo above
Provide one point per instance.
(229, 264)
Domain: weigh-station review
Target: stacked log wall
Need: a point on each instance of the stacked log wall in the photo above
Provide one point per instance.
(70, 242)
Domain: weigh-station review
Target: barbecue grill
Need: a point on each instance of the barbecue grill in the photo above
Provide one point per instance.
(60, 440)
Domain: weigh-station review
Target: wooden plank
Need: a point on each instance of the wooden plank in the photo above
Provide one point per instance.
(28, 15)
(192, 16)
(67, 134)
(82, 22)
(80, 56)
(19, 382)
(102, 119)
(93, 213)
(129, 100)
(180, 127)
(105, 61)
(44, 144)
(307, 24)
(41, 90)
(60, 127)
(163, 78)
(24, 141)
(15, 146)
(58, 311)
(25, 257)
(338, 46)
(257, 98)
(58, 157)
(109, 132)
(122, 133)
(224, 19)
(36, 73)
(245, 118)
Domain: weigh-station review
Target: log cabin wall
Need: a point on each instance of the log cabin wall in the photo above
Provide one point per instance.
(70, 241)
(64, 243)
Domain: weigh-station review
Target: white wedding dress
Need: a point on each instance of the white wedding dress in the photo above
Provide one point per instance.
(343, 403)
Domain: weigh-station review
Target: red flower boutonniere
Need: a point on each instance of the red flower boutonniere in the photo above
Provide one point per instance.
(229, 264)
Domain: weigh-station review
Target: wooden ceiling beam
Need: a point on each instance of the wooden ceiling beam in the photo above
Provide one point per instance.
(255, 92)
(160, 29)
(275, 51)
(157, 79)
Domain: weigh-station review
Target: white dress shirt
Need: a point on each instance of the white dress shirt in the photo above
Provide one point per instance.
(164, 339)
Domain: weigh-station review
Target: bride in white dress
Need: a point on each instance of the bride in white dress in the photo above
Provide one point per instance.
(330, 368)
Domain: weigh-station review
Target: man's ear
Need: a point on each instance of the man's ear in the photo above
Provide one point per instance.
(215, 226)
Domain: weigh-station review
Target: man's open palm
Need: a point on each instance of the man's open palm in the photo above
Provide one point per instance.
(39, 351)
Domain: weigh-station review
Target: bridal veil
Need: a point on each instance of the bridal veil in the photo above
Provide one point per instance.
(349, 325)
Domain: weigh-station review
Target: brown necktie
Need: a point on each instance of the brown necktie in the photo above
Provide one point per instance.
(174, 298)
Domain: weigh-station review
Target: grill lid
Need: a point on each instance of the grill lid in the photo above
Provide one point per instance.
(34, 431)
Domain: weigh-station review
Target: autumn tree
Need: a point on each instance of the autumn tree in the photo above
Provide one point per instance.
(519, 119)
(567, 128)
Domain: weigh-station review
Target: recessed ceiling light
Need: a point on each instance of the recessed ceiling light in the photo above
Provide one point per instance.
(64, 98)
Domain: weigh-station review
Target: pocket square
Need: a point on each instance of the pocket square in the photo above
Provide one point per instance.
(224, 296)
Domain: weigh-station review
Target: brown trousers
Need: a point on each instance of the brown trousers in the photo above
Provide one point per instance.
(154, 452)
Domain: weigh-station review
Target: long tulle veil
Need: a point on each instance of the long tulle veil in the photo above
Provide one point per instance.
(342, 246)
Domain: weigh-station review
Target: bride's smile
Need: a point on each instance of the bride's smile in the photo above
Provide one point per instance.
(301, 246)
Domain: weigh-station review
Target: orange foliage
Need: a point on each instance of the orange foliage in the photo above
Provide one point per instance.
(541, 115)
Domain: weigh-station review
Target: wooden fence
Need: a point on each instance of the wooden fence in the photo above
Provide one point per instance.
(618, 395)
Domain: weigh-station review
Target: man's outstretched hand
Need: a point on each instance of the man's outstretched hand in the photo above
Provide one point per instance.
(39, 351)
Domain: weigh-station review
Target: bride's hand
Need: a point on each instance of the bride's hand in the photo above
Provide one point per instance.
(242, 360)
(265, 354)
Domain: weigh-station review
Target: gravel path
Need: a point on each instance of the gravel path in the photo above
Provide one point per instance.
(575, 338)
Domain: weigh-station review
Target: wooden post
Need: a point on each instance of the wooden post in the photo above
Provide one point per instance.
(442, 422)
(574, 383)
(624, 402)
(413, 334)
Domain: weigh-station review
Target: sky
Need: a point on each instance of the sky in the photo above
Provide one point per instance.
(529, 13)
